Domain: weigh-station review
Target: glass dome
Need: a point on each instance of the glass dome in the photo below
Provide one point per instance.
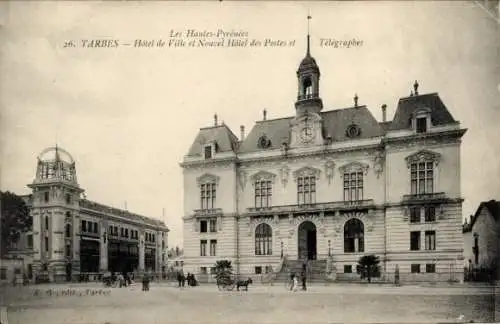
(55, 163)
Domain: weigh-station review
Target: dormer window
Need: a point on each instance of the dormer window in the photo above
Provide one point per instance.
(421, 120)
(421, 124)
(209, 150)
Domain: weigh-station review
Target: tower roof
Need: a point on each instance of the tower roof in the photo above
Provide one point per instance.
(308, 63)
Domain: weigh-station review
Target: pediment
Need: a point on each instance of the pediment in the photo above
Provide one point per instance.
(307, 171)
(208, 178)
(354, 166)
(263, 175)
(423, 156)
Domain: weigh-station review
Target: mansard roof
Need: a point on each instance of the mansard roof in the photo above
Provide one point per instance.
(224, 138)
(440, 115)
(335, 124)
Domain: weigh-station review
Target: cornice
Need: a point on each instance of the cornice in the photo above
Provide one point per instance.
(416, 138)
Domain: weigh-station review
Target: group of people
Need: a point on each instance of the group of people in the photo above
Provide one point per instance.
(295, 280)
(191, 280)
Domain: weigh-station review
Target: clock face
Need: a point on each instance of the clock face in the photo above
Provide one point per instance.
(306, 134)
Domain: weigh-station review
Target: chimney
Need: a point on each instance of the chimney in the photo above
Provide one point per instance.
(264, 114)
(242, 131)
(384, 113)
(215, 120)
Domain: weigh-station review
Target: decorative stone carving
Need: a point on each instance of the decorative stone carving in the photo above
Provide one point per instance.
(263, 175)
(363, 217)
(196, 224)
(243, 175)
(406, 213)
(378, 164)
(306, 171)
(329, 170)
(208, 178)
(285, 173)
(276, 219)
(254, 222)
(290, 218)
(353, 167)
(423, 156)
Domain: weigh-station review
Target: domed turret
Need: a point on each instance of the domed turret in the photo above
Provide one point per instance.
(55, 164)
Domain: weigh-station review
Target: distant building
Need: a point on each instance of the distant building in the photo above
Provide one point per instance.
(326, 187)
(73, 236)
(482, 236)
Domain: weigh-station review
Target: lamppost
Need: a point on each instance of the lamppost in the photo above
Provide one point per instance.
(282, 249)
(329, 248)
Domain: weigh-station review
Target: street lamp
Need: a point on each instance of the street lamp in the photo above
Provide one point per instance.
(329, 248)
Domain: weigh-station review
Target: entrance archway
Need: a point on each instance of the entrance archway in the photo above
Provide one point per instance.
(307, 242)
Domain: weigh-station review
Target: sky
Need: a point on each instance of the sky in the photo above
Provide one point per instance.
(128, 115)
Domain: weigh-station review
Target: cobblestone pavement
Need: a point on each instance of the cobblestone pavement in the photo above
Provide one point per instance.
(165, 303)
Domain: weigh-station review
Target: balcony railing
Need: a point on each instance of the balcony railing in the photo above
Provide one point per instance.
(207, 212)
(307, 96)
(424, 197)
(330, 206)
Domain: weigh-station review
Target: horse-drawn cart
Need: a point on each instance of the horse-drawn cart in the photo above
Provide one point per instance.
(226, 283)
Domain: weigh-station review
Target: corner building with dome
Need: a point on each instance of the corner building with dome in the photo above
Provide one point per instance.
(326, 186)
(76, 239)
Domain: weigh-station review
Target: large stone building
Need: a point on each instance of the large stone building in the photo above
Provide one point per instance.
(329, 186)
(73, 236)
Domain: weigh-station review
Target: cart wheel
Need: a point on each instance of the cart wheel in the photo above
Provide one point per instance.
(230, 287)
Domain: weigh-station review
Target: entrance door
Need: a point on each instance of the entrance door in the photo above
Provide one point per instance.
(307, 241)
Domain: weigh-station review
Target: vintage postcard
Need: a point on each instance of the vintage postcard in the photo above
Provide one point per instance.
(249, 162)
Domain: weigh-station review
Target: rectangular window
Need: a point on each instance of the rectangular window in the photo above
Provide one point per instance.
(258, 270)
(46, 196)
(29, 239)
(415, 215)
(208, 152)
(430, 268)
(415, 268)
(203, 226)
(306, 190)
(84, 225)
(207, 195)
(46, 244)
(422, 178)
(213, 247)
(263, 192)
(126, 232)
(110, 230)
(203, 248)
(213, 270)
(353, 186)
(430, 214)
(203, 270)
(415, 241)
(421, 125)
(347, 268)
(46, 222)
(3, 273)
(213, 225)
(269, 269)
(430, 240)
(96, 228)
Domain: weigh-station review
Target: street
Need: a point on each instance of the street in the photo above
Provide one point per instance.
(261, 304)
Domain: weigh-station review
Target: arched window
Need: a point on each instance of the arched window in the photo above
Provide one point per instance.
(307, 88)
(354, 236)
(263, 239)
(68, 230)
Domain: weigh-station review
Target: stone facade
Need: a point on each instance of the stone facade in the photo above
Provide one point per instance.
(312, 177)
(64, 221)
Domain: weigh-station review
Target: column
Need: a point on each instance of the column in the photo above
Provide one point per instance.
(103, 247)
(356, 244)
(141, 252)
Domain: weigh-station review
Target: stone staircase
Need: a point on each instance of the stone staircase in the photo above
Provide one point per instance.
(316, 270)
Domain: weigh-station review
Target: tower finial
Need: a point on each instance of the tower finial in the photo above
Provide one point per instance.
(356, 100)
(415, 86)
(215, 120)
(308, 34)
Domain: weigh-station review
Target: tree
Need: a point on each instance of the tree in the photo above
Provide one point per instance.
(368, 267)
(223, 270)
(15, 219)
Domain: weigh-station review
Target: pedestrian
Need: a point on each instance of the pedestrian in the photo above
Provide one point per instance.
(303, 278)
(292, 275)
(295, 283)
(144, 281)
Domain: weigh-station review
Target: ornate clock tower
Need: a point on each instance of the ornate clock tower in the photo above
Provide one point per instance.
(307, 124)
